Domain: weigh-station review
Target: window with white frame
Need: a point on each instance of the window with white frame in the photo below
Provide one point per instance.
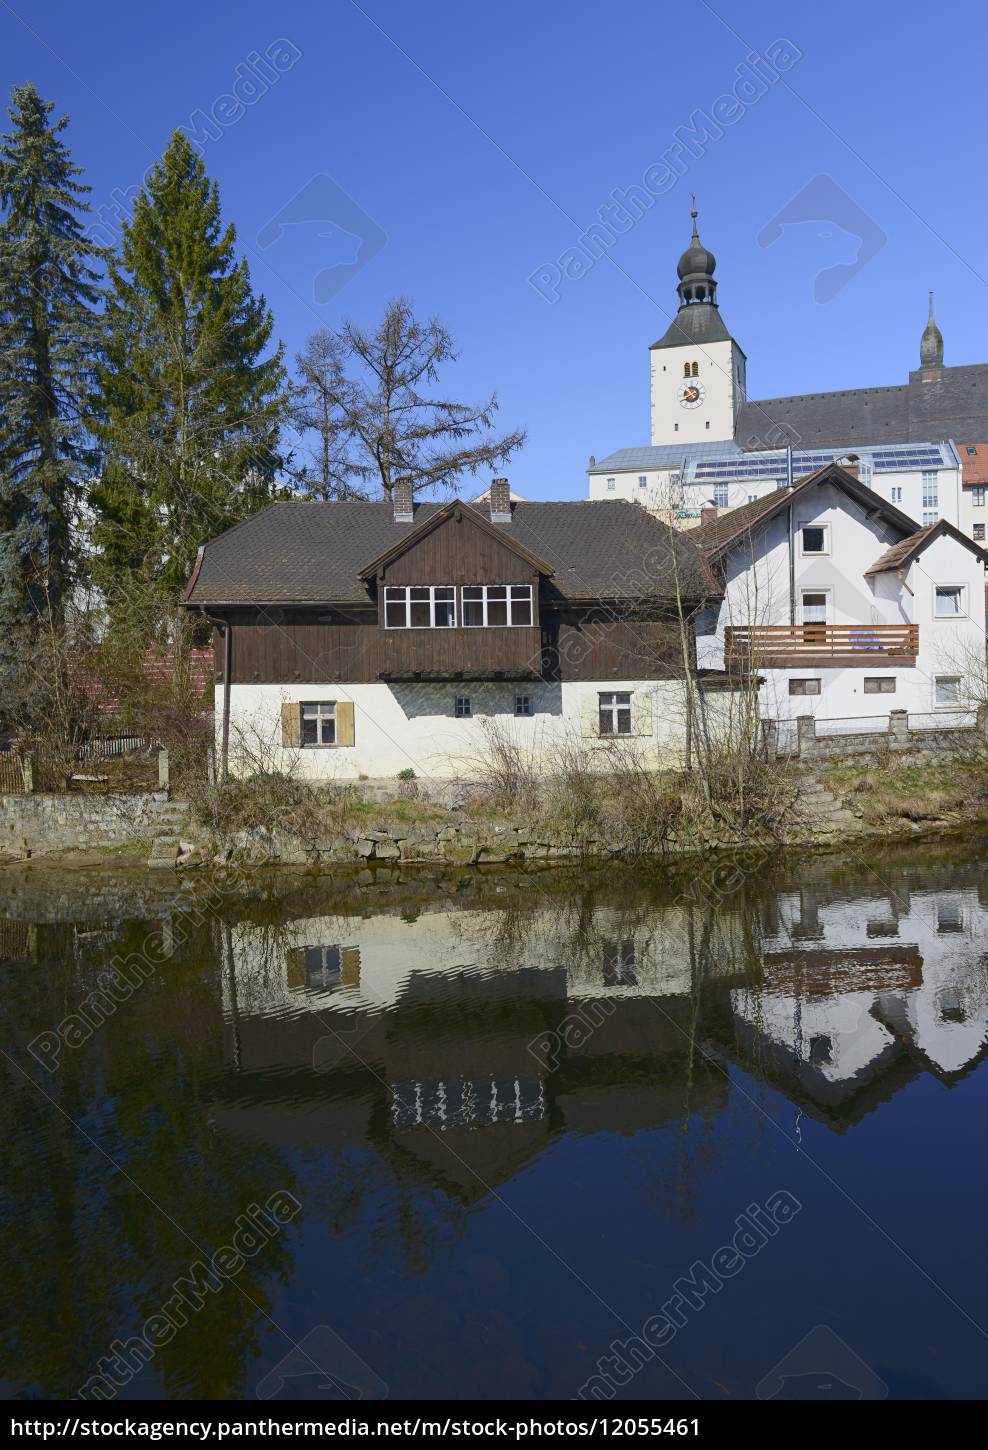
(948, 601)
(614, 712)
(642, 480)
(523, 705)
(929, 518)
(497, 604)
(978, 496)
(611, 485)
(721, 498)
(897, 493)
(946, 690)
(419, 606)
(814, 538)
(931, 494)
(462, 709)
(318, 723)
(978, 533)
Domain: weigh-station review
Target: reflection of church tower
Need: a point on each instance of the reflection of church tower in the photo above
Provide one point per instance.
(698, 370)
(931, 344)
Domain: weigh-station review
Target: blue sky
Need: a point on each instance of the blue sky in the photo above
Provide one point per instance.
(464, 149)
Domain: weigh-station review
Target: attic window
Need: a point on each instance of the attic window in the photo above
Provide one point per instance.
(495, 605)
(814, 538)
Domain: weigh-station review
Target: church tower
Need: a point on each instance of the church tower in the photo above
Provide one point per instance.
(697, 369)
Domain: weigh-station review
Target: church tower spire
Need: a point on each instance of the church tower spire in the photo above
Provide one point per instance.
(931, 343)
(696, 269)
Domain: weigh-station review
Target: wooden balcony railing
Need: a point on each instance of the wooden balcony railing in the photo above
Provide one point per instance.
(821, 644)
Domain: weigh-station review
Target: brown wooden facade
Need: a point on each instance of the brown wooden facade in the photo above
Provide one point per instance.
(272, 644)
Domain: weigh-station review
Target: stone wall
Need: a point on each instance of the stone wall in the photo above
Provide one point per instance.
(43, 823)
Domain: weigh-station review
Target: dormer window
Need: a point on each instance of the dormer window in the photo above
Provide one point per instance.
(420, 606)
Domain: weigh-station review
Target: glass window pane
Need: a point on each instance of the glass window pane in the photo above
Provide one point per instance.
(473, 611)
(394, 615)
(472, 591)
(310, 730)
(328, 730)
(624, 721)
(521, 611)
(623, 697)
(606, 721)
(445, 614)
(445, 591)
(420, 614)
(497, 591)
(419, 591)
(497, 610)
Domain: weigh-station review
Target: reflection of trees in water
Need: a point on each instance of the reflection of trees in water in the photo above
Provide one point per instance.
(89, 1250)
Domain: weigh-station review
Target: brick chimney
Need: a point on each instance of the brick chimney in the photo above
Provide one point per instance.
(852, 465)
(500, 501)
(708, 514)
(404, 502)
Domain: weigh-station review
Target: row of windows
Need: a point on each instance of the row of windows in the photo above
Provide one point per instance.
(318, 718)
(948, 603)
(946, 688)
(433, 606)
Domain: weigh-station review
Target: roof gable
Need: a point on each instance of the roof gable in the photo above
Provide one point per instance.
(902, 554)
(717, 537)
(453, 512)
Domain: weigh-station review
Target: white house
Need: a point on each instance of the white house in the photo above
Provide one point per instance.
(843, 605)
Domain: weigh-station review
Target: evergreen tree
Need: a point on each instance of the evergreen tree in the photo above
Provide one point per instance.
(189, 408)
(48, 340)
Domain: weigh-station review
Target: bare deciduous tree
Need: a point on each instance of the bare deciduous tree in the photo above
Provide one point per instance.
(370, 396)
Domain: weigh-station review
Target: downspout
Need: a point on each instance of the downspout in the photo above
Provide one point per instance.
(227, 671)
(792, 546)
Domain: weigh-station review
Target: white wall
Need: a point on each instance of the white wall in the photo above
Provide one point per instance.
(413, 726)
(757, 592)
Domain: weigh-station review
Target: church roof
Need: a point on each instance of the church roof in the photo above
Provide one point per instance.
(950, 402)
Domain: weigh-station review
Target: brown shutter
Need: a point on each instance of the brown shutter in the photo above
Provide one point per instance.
(344, 722)
(291, 723)
(296, 969)
(350, 967)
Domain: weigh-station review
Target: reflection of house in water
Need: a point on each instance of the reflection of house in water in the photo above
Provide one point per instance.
(857, 995)
(453, 1041)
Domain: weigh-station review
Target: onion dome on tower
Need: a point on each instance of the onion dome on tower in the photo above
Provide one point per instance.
(698, 319)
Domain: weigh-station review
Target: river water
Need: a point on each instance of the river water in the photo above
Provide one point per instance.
(615, 1133)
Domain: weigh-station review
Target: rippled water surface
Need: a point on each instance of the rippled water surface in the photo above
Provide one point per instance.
(500, 1136)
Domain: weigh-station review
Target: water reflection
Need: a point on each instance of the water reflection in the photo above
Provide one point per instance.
(409, 1057)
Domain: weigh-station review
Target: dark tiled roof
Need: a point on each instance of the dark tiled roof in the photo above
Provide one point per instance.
(935, 403)
(699, 322)
(718, 535)
(301, 552)
(903, 553)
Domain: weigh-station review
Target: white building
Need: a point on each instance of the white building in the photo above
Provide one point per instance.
(843, 606)
(711, 443)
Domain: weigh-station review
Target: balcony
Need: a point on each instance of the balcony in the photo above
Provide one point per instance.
(459, 654)
(764, 646)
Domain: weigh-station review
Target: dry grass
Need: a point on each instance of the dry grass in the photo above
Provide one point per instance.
(899, 791)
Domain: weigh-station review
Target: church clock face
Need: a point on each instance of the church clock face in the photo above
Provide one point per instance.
(691, 395)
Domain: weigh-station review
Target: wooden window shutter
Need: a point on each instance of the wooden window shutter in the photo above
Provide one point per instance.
(350, 966)
(296, 969)
(344, 722)
(291, 723)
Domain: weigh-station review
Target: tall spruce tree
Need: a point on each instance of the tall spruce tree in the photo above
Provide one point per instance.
(190, 397)
(48, 341)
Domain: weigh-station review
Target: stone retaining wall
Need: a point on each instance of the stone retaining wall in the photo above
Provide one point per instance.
(38, 824)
